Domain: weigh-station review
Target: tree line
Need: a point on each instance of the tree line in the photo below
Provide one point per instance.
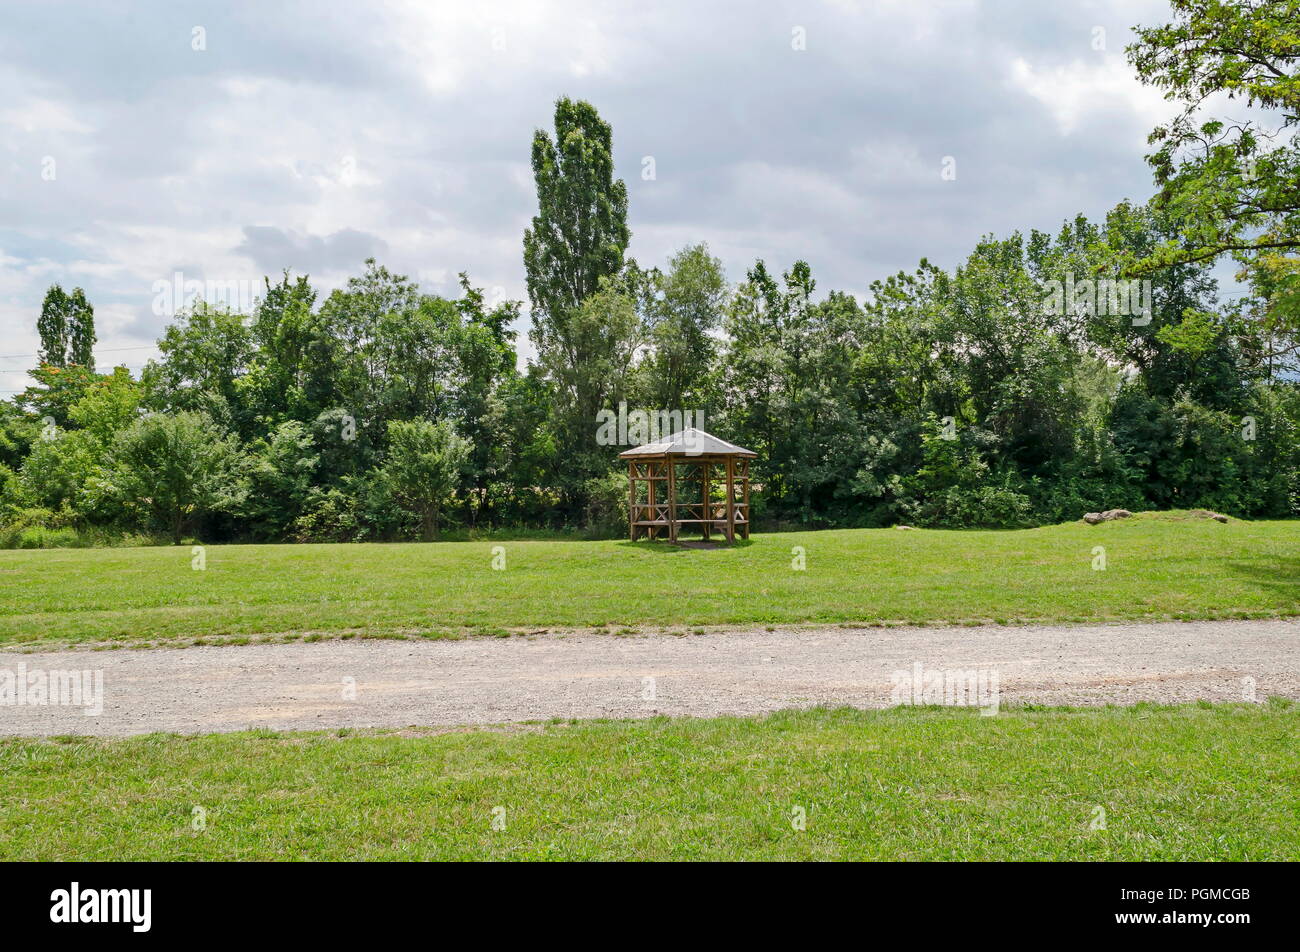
(1048, 374)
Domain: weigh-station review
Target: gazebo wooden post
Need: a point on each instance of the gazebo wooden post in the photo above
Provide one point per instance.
(731, 499)
(706, 500)
(652, 531)
(631, 499)
(672, 498)
(749, 516)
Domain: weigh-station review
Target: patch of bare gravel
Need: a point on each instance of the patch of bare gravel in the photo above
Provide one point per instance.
(447, 683)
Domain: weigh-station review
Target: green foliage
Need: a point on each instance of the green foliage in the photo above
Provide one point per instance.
(108, 405)
(172, 470)
(953, 487)
(591, 372)
(686, 305)
(58, 471)
(205, 353)
(281, 470)
(585, 326)
(424, 467)
(1194, 336)
(1018, 388)
(1266, 321)
(580, 232)
(52, 326)
(328, 515)
(17, 433)
(1231, 184)
(57, 389)
(291, 373)
(67, 329)
(606, 506)
(40, 537)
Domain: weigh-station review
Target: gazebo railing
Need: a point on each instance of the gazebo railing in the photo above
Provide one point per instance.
(645, 514)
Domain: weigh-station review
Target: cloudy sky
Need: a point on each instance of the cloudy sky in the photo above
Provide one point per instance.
(230, 140)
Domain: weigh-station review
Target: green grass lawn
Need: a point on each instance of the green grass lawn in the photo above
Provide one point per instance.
(1175, 783)
(1159, 567)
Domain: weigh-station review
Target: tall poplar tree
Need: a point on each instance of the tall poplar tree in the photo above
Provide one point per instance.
(52, 326)
(572, 251)
(580, 231)
(66, 328)
(81, 330)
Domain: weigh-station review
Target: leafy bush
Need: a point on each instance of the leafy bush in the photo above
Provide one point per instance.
(330, 515)
(60, 467)
(172, 469)
(425, 464)
(979, 507)
(281, 469)
(40, 537)
(605, 514)
(955, 488)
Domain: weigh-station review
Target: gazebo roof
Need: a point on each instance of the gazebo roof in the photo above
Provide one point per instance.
(689, 442)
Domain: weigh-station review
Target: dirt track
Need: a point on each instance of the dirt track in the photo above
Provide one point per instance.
(742, 671)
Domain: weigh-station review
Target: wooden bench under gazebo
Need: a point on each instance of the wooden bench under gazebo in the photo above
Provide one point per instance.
(690, 480)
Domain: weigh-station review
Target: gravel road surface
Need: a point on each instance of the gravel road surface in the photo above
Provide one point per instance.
(330, 684)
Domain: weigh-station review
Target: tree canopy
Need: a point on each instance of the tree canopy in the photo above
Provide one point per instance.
(1047, 374)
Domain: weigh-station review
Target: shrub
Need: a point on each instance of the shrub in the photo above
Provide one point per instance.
(329, 515)
(980, 507)
(605, 514)
(40, 537)
(173, 469)
(424, 466)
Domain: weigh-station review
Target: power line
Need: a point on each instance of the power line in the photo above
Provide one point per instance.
(106, 350)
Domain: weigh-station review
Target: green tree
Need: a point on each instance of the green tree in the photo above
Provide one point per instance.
(685, 308)
(64, 468)
(1266, 321)
(413, 354)
(56, 391)
(81, 331)
(1176, 290)
(59, 469)
(1233, 184)
(574, 247)
(175, 469)
(788, 380)
(67, 329)
(204, 355)
(18, 431)
(580, 232)
(281, 469)
(424, 466)
(52, 326)
(753, 370)
(291, 371)
(109, 404)
(591, 375)
(368, 319)
(482, 347)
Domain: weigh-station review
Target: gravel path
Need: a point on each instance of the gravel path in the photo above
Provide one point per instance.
(738, 671)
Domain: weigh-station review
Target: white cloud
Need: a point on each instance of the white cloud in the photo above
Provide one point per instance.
(407, 126)
(1078, 91)
(45, 116)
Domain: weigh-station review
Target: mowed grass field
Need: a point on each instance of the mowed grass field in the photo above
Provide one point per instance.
(1156, 567)
(1141, 783)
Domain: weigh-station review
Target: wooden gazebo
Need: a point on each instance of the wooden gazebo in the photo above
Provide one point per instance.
(690, 480)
